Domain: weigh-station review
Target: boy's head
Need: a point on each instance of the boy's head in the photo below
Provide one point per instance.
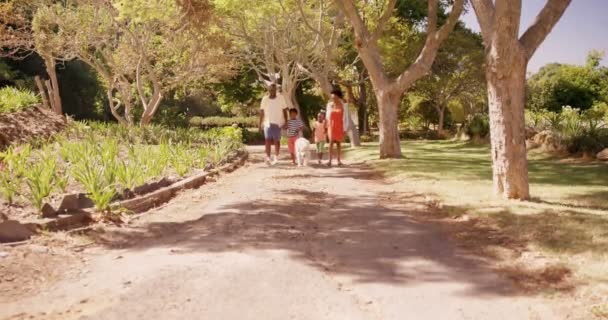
(293, 113)
(320, 116)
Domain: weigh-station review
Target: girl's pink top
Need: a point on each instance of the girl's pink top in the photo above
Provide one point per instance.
(320, 135)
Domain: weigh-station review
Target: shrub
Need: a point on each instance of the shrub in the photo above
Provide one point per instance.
(252, 137)
(13, 99)
(420, 134)
(215, 122)
(40, 176)
(588, 143)
(13, 166)
(478, 126)
(536, 119)
(580, 132)
(368, 138)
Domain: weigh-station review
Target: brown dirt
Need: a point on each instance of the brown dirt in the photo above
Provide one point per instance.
(40, 263)
(31, 123)
(285, 243)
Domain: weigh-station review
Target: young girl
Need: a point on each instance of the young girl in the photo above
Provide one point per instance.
(320, 134)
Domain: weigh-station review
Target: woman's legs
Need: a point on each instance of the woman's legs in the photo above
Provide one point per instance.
(339, 149)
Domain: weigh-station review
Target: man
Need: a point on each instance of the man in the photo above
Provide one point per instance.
(272, 119)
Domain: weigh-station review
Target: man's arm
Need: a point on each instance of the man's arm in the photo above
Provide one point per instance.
(261, 123)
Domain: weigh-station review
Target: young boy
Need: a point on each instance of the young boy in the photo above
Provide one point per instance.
(320, 134)
(295, 128)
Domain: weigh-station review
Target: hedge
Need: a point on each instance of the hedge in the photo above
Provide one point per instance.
(216, 122)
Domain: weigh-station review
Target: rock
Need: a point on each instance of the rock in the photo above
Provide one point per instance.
(73, 202)
(149, 187)
(547, 140)
(38, 248)
(48, 211)
(530, 132)
(530, 144)
(13, 231)
(3, 254)
(602, 155)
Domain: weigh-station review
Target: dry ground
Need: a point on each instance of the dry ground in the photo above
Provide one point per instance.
(282, 243)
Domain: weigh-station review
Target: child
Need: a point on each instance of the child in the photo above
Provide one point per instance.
(320, 134)
(295, 128)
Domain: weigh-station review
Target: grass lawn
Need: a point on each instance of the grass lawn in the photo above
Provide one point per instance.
(567, 220)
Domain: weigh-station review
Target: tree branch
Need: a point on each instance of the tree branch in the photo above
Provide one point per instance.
(544, 23)
(433, 40)
(386, 15)
(484, 10)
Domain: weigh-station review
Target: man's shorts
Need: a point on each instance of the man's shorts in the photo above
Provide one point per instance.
(291, 144)
(272, 132)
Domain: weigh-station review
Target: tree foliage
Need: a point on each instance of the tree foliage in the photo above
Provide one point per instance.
(557, 85)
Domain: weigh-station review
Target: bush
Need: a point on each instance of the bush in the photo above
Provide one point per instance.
(478, 126)
(420, 134)
(368, 138)
(253, 137)
(13, 99)
(579, 132)
(215, 122)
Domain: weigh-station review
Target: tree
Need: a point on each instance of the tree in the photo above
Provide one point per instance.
(18, 40)
(507, 56)
(557, 85)
(141, 51)
(389, 90)
(270, 38)
(456, 70)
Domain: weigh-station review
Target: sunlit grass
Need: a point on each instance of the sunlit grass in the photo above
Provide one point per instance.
(567, 218)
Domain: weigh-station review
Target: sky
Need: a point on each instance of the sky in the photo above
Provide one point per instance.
(583, 27)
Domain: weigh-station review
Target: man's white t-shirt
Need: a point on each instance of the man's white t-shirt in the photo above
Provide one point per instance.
(273, 110)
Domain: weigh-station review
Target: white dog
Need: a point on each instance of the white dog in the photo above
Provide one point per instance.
(302, 150)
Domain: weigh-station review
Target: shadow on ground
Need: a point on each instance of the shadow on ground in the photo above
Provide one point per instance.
(372, 238)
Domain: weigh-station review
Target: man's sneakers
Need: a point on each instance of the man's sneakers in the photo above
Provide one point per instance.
(271, 162)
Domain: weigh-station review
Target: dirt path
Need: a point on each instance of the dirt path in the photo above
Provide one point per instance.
(280, 243)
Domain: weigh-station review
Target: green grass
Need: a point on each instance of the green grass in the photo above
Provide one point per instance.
(553, 180)
(567, 220)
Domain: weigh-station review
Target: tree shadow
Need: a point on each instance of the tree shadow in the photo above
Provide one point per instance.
(359, 236)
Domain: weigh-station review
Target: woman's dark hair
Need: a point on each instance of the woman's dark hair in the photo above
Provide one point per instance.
(337, 92)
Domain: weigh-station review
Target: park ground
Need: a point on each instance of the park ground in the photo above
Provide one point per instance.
(415, 238)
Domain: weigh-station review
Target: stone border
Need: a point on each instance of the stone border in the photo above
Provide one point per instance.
(163, 195)
(140, 204)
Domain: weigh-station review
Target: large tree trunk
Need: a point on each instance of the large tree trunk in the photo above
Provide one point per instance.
(506, 95)
(388, 105)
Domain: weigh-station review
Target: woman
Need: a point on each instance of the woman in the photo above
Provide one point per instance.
(337, 114)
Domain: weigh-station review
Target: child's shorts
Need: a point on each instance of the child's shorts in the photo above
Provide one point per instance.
(320, 147)
(291, 144)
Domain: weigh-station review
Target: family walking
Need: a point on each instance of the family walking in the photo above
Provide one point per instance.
(330, 126)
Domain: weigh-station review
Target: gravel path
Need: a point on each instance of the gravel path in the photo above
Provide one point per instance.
(281, 243)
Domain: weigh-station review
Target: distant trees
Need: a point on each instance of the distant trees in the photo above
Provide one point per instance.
(142, 51)
(456, 74)
(557, 85)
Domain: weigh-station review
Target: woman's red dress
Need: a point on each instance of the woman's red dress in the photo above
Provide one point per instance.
(336, 130)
